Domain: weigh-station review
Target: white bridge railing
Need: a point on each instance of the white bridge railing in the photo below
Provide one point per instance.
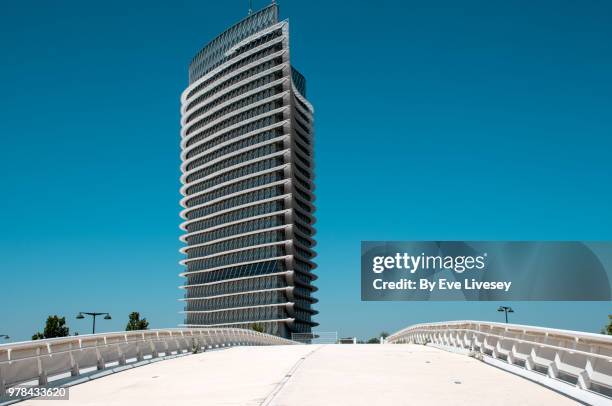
(316, 337)
(42, 361)
(575, 363)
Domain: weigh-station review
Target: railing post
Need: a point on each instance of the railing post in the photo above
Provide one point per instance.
(178, 345)
(139, 344)
(584, 379)
(209, 339)
(153, 346)
(510, 357)
(2, 383)
(553, 367)
(100, 364)
(121, 355)
(74, 367)
(42, 375)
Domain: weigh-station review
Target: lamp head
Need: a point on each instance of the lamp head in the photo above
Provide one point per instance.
(107, 317)
(80, 316)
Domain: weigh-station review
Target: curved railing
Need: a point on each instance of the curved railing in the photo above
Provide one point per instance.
(575, 363)
(43, 361)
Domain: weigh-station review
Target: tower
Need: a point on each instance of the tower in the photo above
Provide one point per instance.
(248, 182)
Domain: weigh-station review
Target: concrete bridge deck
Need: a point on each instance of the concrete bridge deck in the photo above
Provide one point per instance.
(314, 375)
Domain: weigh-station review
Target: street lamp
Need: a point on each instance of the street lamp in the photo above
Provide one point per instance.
(506, 310)
(4, 336)
(93, 314)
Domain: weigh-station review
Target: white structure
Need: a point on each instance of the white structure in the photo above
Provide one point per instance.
(571, 362)
(316, 337)
(431, 367)
(247, 163)
(305, 375)
(95, 355)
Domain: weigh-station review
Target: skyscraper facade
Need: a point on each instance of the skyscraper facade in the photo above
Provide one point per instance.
(247, 175)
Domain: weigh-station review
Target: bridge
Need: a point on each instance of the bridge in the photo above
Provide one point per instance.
(464, 362)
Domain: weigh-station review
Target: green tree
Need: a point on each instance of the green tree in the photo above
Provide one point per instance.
(54, 327)
(258, 327)
(135, 323)
(376, 340)
(608, 329)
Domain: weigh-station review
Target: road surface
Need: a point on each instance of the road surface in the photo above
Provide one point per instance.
(314, 375)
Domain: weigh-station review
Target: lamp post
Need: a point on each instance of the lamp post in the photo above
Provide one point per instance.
(93, 314)
(506, 310)
(4, 336)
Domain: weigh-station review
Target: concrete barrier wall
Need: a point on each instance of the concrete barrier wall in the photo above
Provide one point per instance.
(575, 363)
(40, 361)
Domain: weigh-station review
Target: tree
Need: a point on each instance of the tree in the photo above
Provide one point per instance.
(258, 327)
(54, 327)
(608, 329)
(135, 323)
(376, 340)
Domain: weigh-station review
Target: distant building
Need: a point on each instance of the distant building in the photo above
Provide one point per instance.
(247, 174)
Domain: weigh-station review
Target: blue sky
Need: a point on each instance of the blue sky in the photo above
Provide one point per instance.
(435, 120)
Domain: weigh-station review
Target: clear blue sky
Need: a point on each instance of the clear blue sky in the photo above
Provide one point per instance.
(435, 120)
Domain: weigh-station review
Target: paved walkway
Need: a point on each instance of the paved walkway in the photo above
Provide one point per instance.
(314, 375)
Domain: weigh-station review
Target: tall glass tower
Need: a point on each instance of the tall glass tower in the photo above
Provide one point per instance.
(247, 175)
